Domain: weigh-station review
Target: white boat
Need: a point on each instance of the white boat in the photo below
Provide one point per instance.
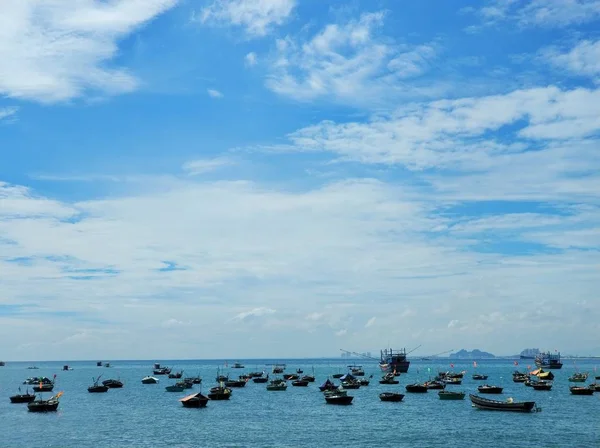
(149, 380)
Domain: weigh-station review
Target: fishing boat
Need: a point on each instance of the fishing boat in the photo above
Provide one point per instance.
(337, 376)
(356, 370)
(452, 381)
(99, 364)
(579, 390)
(393, 361)
(388, 378)
(309, 378)
(278, 368)
(194, 401)
(520, 377)
(237, 365)
(327, 385)
(96, 387)
(449, 395)
(195, 379)
(479, 377)
(113, 384)
(235, 383)
(2, 363)
(261, 379)
(256, 374)
(176, 375)
(22, 398)
(177, 387)
(300, 383)
(542, 385)
(434, 384)
(595, 386)
(40, 405)
(299, 371)
(161, 371)
(487, 389)
(149, 380)
(548, 360)
(219, 393)
(291, 376)
(578, 377)
(542, 374)
(364, 381)
(277, 385)
(509, 405)
(338, 396)
(416, 388)
(391, 396)
(44, 384)
(66, 368)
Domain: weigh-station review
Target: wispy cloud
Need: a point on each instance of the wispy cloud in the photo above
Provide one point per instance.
(202, 166)
(251, 59)
(213, 93)
(370, 322)
(583, 59)
(348, 63)
(7, 113)
(257, 17)
(55, 51)
(256, 312)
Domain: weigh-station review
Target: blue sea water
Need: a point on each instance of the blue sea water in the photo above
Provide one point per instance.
(147, 416)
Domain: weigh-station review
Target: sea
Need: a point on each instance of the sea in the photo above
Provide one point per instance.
(141, 415)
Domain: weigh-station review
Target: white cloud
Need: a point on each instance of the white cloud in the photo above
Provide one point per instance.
(465, 134)
(54, 51)
(341, 332)
(453, 323)
(257, 17)
(583, 59)
(348, 63)
(256, 312)
(201, 166)
(543, 13)
(214, 93)
(8, 112)
(251, 59)
(370, 322)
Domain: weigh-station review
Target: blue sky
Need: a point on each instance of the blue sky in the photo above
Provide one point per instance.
(272, 178)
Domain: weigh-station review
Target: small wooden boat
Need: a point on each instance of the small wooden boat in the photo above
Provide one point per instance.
(416, 388)
(237, 365)
(434, 385)
(175, 388)
(449, 395)
(256, 374)
(261, 379)
(453, 381)
(187, 383)
(219, 393)
(276, 385)
(235, 383)
(299, 371)
(196, 380)
(113, 384)
(487, 389)
(96, 387)
(309, 378)
(278, 368)
(66, 368)
(479, 377)
(364, 381)
(578, 378)
(496, 405)
(595, 386)
(99, 364)
(339, 397)
(542, 385)
(390, 396)
(520, 377)
(22, 398)
(222, 378)
(149, 380)
(388, 378)
(579, 390)
(194, 401)
(50, 405)
(327, 385)
(176, 375)
(356, 370)
(161, 371)
(337, 376)
(300, 383)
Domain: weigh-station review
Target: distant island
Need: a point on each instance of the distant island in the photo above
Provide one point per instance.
(474, 354)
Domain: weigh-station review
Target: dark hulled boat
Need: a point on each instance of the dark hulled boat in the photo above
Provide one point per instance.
(479, 377)
(449, 395)
(337, 376)
(390, 396)
(96, 387)
(219, 393)
(434, 385)
(579, 390)
(300, 383)
(496, 405)
(548, 360)
(235, 383)
(22, 398)
(339, 397)
(176, 375)
(113, 384)
(277, 385)
(50, 405)
(388, 378)
(356, 370)
(194, 401)
(487, 389)
(149, 380)
(542, 385)
(578, 377)
(261, 379)
(393, 361)
(327, 385)
(278, 368)
(416, 388)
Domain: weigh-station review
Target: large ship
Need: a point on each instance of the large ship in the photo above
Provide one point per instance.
(529, 353)
(394, 361)
(548, 360)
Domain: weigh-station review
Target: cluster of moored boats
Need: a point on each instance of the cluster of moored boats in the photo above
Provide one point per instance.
(333, 393)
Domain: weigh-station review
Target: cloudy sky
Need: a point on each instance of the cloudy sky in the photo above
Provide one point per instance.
(285, 178)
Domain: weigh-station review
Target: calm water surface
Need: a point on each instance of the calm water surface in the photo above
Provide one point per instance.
(147, 416)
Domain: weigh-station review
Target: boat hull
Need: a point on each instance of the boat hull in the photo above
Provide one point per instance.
(390, 396)
(22, 398)
(581, 390)
(493, 405)
(97, 389)
(343, 400)
(43, 406)
(445, 395)
(416, 388)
